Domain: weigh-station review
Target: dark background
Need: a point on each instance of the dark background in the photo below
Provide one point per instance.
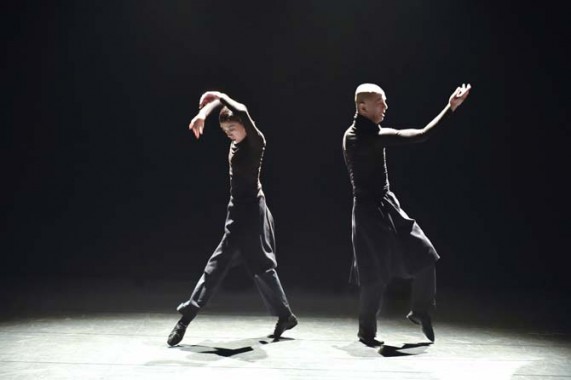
(102, 178)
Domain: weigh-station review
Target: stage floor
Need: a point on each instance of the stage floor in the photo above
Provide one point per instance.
(102, 330)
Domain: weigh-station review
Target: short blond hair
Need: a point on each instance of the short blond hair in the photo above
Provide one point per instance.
(366, 90)
(227, 115)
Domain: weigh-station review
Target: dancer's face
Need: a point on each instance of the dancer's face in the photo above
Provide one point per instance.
(234, 130)
(373, 107)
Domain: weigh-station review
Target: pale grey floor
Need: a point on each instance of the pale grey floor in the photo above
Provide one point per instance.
(93, 332)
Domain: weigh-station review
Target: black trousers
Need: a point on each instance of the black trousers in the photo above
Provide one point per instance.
(423, 294)
(268, 284)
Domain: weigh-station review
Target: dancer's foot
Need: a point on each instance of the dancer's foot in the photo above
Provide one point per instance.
(177, 334)
(422, 319)
(369, 341)
(284, 324)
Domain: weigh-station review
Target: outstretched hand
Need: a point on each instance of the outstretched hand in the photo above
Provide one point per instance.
(209, 96)
(459, 95)
(197, 125)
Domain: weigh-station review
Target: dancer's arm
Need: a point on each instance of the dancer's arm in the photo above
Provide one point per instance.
(237, 108)
(392, 136)
(197, 123)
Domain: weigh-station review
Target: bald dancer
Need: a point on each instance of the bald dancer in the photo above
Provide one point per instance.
(387, 243)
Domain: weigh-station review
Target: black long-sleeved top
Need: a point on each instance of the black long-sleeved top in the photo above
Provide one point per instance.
(364, 151)
(245, 158)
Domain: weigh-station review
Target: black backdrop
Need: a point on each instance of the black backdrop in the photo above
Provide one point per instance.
(102, 177)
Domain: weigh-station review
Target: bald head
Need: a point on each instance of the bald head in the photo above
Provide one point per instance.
(370, 101)
(366, 90)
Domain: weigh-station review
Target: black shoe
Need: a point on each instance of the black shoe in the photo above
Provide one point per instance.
(177, 334)
(284, 324)
(422, 319)
(370, 341)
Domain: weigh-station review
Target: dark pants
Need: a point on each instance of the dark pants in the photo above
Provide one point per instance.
(371, 295)
(268, 284)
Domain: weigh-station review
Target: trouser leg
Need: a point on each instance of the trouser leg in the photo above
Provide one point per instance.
(370, 300)
(215, 271)
(424, 290)
(272, 292)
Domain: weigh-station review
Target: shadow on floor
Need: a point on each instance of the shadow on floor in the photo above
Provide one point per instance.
(249, 349)
(406, 349)
(360, 350)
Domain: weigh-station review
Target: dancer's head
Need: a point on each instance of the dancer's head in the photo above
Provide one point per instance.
(232, 125)
(371, 102)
